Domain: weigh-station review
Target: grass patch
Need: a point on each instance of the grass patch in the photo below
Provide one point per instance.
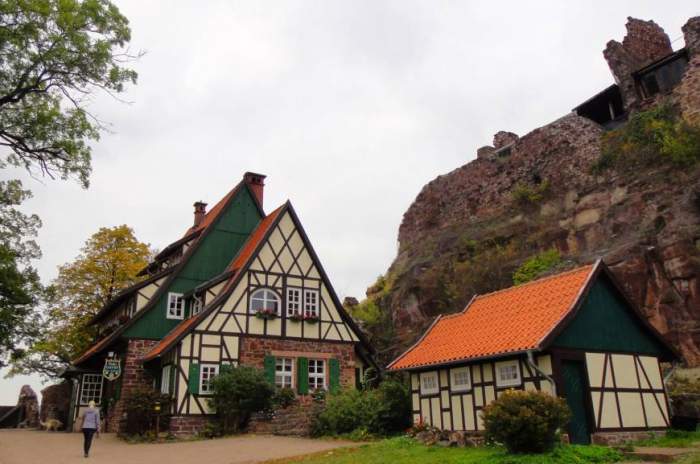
(404, 450)
(673, 439)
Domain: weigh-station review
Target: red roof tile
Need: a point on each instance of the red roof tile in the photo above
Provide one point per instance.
(510, 320)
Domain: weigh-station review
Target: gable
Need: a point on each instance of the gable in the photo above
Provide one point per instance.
(283, 260)
(605, 322)
(217, 248)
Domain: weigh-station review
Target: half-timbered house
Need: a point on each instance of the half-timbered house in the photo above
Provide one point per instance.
(574, 334)
(240, 287)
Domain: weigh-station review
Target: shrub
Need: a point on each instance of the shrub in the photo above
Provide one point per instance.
(283, 397)
(526, 195)
(656, 135)
(140, 411)
(237, 393)
(525, 422)
(536, 265)
(381, 411)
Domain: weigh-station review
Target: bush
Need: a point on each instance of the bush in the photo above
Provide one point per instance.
(140, 411)
(378, 412)
(525, 422)
(536, 265)
(283, 397)
(525, 195)
(237, 393)
(656, 135)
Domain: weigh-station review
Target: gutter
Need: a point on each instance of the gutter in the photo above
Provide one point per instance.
(531, 363)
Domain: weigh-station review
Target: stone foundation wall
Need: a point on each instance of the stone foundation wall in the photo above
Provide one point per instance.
(293, 420)
(187, 426)
(622, 437)
(254, 350)
(133, 378)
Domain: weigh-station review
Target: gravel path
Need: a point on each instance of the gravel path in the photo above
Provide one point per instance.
(34, 447)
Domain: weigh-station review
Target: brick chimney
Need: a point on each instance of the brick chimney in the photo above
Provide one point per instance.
(256, 183)
(200, 210)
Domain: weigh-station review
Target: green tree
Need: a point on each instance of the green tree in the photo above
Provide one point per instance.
(536, 266)
(19, 283)
(108, 263)
(53, 55)
(238, 392)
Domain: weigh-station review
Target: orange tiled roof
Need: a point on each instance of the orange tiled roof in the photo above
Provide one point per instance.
(238, 262)
(510, 320)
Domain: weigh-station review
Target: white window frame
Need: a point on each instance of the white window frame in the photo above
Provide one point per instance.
(206, 373)
(197, 305)
(293, 301)
(311, 306)
(508, 382)
(316, 376)
(131, 307)
(284, 378)
(267, 291)
(165, 379)
(429, 376)
(176, 311)
(92, 383)
(454, 373)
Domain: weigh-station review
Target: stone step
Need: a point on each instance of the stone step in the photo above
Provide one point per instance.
(651, 454)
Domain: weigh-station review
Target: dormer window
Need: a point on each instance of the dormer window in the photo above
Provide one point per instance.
(196, 305)
(176, 306)
(131, 307)
(265, 300)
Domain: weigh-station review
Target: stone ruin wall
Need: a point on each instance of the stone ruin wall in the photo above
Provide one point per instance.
(647, 228)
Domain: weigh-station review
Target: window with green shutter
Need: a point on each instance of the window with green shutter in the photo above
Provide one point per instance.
(269, 369)
(193, 380)
(334, 375)
(303, 376)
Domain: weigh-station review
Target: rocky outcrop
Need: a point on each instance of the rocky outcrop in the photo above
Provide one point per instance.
(55, 402)
(531, 193)
(29, 408)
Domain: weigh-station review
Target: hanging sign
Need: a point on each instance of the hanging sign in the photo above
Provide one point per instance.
(112, 369)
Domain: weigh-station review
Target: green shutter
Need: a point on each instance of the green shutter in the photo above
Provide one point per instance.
(303, 376)
(193, 381)
(173, 371)
(269, 369)
(334, 375)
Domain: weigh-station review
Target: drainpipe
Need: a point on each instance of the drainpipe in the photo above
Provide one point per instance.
(531, 363)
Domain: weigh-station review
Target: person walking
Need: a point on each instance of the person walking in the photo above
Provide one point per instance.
(90, 425)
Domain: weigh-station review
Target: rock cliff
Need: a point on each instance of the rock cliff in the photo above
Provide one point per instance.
(468, 230)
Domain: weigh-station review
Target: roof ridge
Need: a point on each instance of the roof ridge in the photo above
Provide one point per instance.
(536, 281)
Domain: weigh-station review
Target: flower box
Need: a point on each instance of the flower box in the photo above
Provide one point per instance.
(298, 317)
(266, 314)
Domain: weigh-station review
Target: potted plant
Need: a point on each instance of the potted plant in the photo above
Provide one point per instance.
(296, 317)
(266, 313)
(311, 318)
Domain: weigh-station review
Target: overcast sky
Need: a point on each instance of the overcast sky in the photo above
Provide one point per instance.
(348, 107)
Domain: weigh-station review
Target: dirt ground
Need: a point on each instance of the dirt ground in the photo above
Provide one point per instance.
(35, 447)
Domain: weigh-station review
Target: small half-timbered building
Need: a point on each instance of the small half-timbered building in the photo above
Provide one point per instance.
(574, 334)
(240, 288)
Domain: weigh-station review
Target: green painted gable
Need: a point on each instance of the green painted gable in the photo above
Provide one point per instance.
(213, 254)
(605, 323)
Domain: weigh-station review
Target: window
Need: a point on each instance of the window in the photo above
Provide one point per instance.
(207, 373)
(196, 305)
(429, 383)
(165, 380)
(293, 301)
(283, 372)
(91, 389)
(460, 379)
(264, 299)
(176, 306)
(317, 374)
(507, 374)
(131, 307)
(311, 303)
